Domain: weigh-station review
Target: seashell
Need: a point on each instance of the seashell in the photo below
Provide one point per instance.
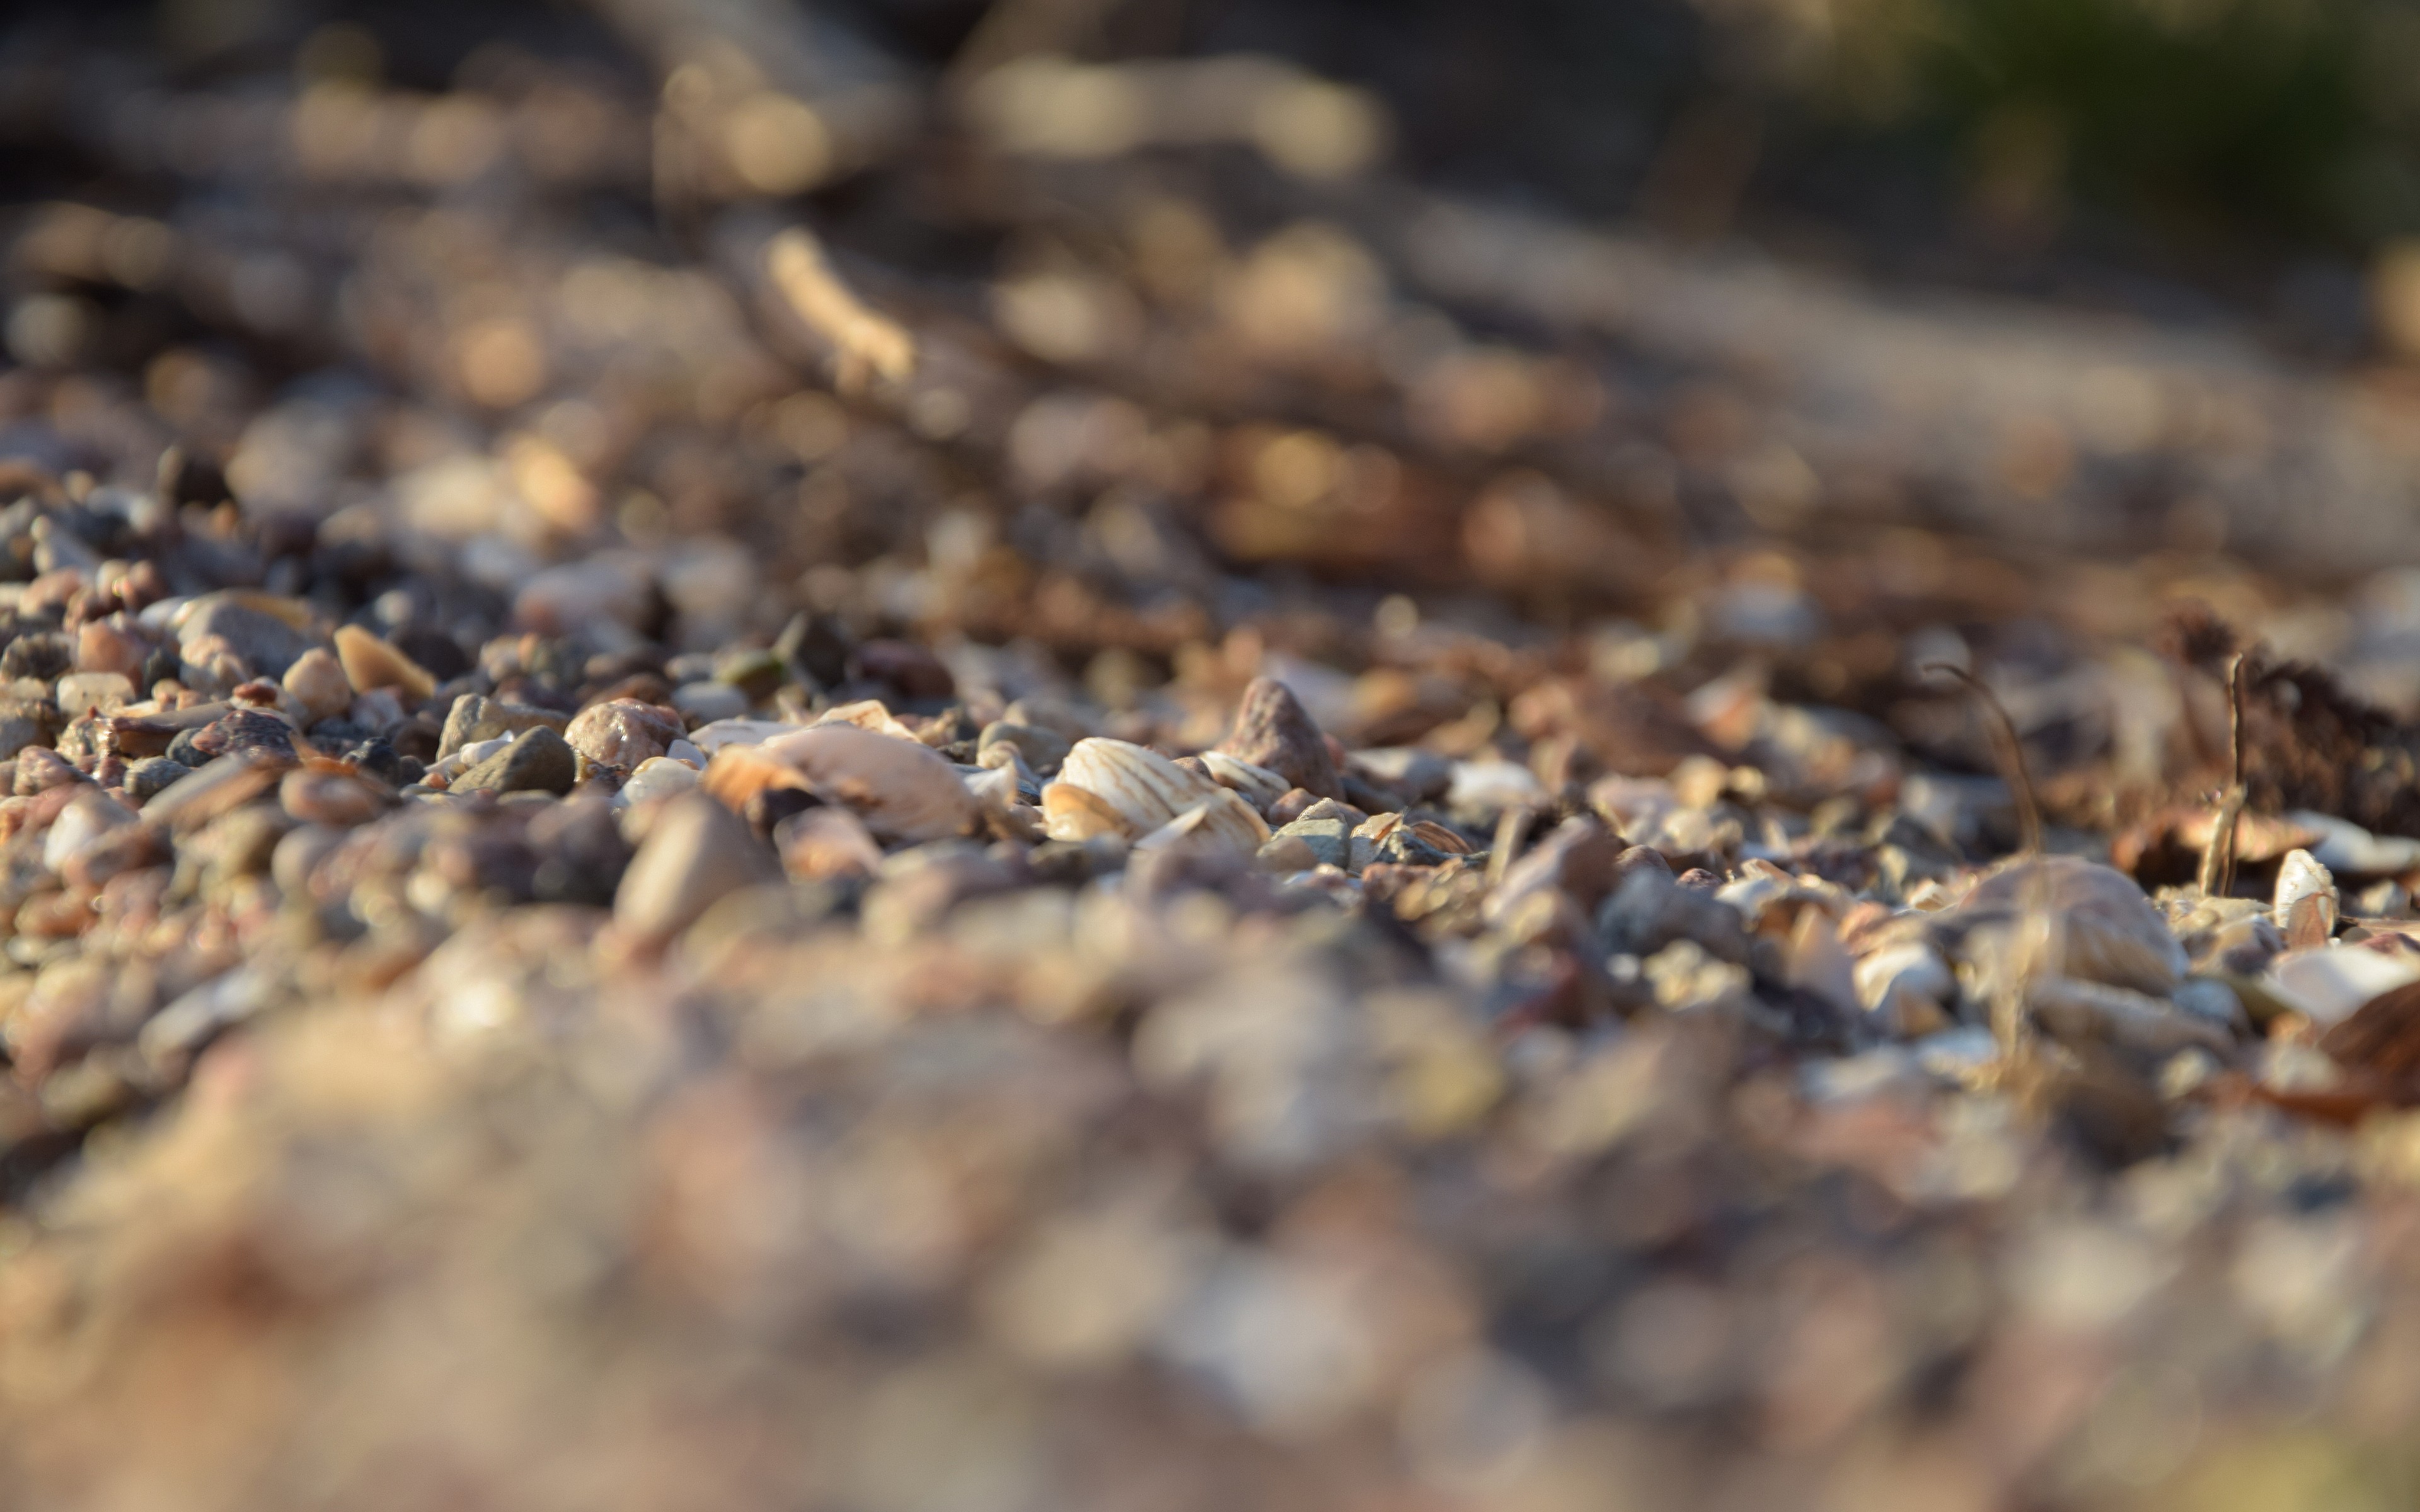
(901, 789)
(2105, 930)
(1141, 788)
(1223, 822)
(370, 662)
(1259, 786)
(870, 714)
(1073, 814)
(1906, 985)
(2327, 982)
(1814, 961)
(2307, 903)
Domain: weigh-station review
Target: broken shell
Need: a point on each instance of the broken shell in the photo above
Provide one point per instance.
(2306, 904)
(901, 789)
(1259, 786)
(1223, 821)
(1140, 789)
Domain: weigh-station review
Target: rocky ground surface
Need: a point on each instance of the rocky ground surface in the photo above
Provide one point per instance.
(1153, 825)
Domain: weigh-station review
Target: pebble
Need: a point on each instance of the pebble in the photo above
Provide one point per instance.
(623, 733)
(657, 779)
(1274, 733)
(696, 852)
(318, 684)
(261, 643)
(537, 761)
(148, 779)
(474, 718)
(81, 693)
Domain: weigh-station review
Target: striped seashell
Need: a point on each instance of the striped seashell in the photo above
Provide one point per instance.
(1141, 788)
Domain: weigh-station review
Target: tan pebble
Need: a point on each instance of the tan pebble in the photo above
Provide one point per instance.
(901, 789)
(370, 662)
(335, 798)
(101, 647)
(317, 681)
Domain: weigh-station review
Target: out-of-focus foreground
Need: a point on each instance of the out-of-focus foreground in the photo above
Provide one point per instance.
(953, 757)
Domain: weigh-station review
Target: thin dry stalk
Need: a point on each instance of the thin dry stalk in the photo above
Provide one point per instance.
(2217, 877)
(864, 344)
(2011, 754)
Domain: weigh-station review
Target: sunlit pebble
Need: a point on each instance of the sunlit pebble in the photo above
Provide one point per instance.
(501, 362)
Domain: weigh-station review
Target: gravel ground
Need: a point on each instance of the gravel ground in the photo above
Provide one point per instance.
(730, 780)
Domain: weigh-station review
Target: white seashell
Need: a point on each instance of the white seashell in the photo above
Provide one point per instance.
(1141, 788)
(1259, 786)
(1223, 822)
(2306, 904)
(901, 789)
(2326, 982)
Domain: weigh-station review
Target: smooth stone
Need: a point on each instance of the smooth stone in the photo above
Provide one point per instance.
(148, 779)
(262, 641)
(81, 693)
(316, 681)
(623, 733)
(696, 852)
(538, 761)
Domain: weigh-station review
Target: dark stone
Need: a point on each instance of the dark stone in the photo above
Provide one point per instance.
(147, 778)
(246, 729)
(47, 654)
(377, 757)
(539, 761)
(1274, 731)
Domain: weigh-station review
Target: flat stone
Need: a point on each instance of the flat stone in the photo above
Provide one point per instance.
(81, 693)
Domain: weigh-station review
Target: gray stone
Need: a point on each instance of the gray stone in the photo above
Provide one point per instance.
(539, 761)
(262, 641)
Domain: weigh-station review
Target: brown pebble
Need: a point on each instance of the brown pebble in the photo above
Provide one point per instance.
(1273, 729)
(624, 732)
